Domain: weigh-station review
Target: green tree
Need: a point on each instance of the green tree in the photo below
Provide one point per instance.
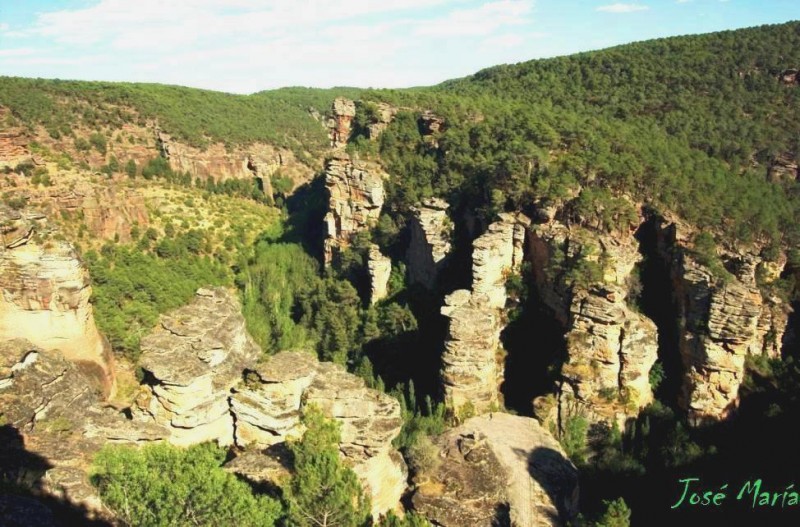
(409, 520)
(130, 168)
(323, 492)
(617, 514)
(161, 485)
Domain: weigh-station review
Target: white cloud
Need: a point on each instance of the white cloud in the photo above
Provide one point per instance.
(16, 52)
(622, 8)
(480, 21)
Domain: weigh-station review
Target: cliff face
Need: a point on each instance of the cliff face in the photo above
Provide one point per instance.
(431, 230)
(57, 416)
(205, 383)
(355, 199)
(259, 160)
(46, 295)
(472, 359)
(340, 125)
(379, 268)
(13, 143)
(610, 346)
(722, 319)
(502, 462)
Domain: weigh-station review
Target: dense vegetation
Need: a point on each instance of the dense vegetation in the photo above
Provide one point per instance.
(280, 116)
(160, 485)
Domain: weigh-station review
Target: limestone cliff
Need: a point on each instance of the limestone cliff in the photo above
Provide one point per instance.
(431, 230)
(498, 470)
(472, 359)
(46, 296)
(355, 199)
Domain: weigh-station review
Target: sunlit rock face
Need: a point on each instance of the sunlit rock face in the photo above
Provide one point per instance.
(46, 294)
(355, 199)
(429, 246)
(472, 360)
(496, 467)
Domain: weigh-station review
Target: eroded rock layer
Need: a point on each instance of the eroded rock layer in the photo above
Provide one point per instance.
(498, 470)
(379, 268)
(471, 362)
(46, 296)
(355, 199)
(431, 230)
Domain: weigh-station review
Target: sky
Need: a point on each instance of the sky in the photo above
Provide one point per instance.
(244, 46)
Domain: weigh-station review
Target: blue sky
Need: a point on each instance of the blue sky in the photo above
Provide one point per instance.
(243, 46)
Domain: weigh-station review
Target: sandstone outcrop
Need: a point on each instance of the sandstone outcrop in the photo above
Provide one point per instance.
(46, 295)
(55, 423)
(383, 116)
(268, 407)
(379, 268)
(722, 319)
(13, 143)
(431, 231)
(259, 160)
(194, 358)
(784, 168)
(204, 382)
(430, 125)
(498, 470)
(472, 368)
(340, 124)
(355, 199)
(583, 276)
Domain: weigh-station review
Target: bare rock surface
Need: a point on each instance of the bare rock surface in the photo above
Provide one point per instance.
(431, 230)
(46, 294)
(379, 268)
(499, 464)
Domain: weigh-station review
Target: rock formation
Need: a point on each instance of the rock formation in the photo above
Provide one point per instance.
(204, 382)
(431, 230)
(584, 277)
(268, 405)
(498, 470)
(383, 116)
(54, 416)
(13, 142)
(722, 319)
(470, 373)
(46, 295)
(379, 268)
(341, 123)
(783, 168)
(355, 198)
(194, 359)
(260, 161)
(430, 125)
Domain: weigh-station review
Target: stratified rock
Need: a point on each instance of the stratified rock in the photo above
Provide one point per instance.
(783, 168)
(470, 370)
(722, 319)
(431, 230)
(194, 358)
(495, 466)
(55, 424)
(355, 198)
(379, 268)
(13, 143)
(430, 125)
(268, 406)
(343, 111)
(610, 346)
(46, 295)
(383, 116)
(220, 163)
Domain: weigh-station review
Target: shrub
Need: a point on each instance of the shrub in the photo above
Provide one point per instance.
(161, 485)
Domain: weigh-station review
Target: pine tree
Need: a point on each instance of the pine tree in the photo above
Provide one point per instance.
(323, 492)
